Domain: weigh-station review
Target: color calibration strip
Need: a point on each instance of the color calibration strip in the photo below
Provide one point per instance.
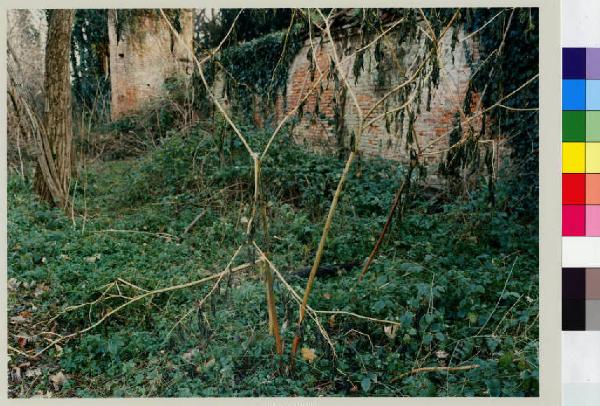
(581, 142)
(581, 181)
(580, 365)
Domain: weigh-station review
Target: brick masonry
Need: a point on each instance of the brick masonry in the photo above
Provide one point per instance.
(140, 62)
(430, 126)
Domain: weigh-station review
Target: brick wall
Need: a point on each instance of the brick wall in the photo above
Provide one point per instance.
(140, 61)
(430, 126)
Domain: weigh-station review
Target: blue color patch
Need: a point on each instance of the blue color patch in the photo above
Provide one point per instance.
(592, 94)
(573, 94)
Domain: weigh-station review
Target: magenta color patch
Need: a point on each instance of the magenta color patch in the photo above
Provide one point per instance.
(593, 63)
(592, 220)
(573, 220)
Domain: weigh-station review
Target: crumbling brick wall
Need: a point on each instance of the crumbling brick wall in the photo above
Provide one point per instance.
(316, 128)
(431, 126)
(143, 56)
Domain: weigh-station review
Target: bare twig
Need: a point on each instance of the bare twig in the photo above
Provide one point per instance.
(319, 253)
(166, 236)
(203, 78)
(499, 297)
(13, 349)
(359, 316)
(483, 26)
(193, 223)
(336, 61)
(473, 117)
(210, 292)
(297, 298)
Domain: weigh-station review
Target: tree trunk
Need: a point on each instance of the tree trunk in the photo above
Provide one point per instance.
(57, 114)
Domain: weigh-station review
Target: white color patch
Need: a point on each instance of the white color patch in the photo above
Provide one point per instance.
(581, 252)
(580, 26)
(580, 355)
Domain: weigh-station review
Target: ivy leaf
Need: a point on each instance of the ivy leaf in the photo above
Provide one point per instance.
(379, 305)
(493, 386)
(365, 384)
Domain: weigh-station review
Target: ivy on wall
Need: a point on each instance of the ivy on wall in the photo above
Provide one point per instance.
(509, 48)
(259, 68)
(89, 63)
(387, 62)
(90, 54)
(507, 42)
(250, 24)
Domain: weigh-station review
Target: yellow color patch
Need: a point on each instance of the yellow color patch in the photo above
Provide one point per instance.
(573, 157)
(592, 157)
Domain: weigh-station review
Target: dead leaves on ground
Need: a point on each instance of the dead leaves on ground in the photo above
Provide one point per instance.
(308, 354)
(391, 331)
(92, 259)
(13, 284)
(58, 380)
(22, 340)
(40, 290)
(28, 375)
(192, 356)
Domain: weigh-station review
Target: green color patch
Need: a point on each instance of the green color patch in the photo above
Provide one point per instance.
(573, 126)
(592, 125)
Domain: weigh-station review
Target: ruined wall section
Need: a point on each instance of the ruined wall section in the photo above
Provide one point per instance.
(144, 56)
(433, 126)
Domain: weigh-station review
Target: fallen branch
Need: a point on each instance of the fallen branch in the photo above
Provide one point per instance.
(358, 316)
(227, 271)
(166, 236)
(138, 298)
(193, 223)
(13, 349)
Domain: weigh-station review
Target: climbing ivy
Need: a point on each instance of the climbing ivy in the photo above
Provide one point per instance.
(387, 62)
(259, 68)
(508, 58)
(507, 43)
(250, 24)
(89, 62)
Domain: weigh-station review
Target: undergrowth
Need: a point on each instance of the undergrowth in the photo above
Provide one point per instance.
(460, 277)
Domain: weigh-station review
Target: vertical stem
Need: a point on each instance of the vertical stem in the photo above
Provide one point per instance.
(397, 198)
(259, 204)
(273, 323)
(319, 254)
